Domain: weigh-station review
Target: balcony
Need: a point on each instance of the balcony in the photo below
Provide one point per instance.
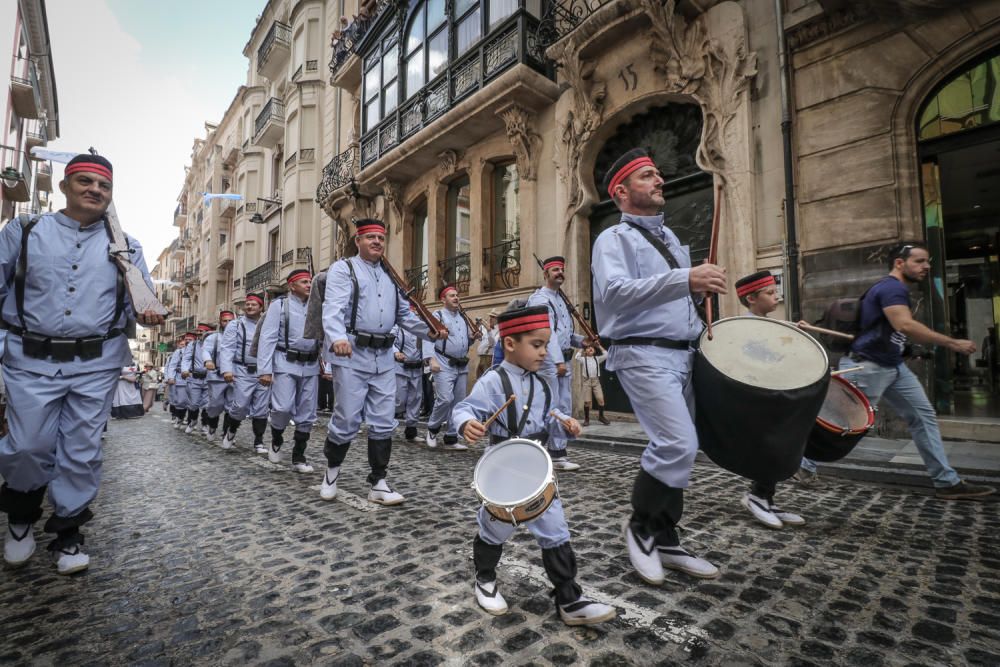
(230, 154)
(180, 214)
(191, 276)
(25, 95)
(43, 177)
(269, 127)
(272, 55)
(264, 275)
(227, 208)
(249, 208)
(345, 64)
(416, 278)
(224, 260)
(298, 256)
(338, 173)
(38, 135)
(456, 271)
(461, 102)
(15, 175)
(502, 266)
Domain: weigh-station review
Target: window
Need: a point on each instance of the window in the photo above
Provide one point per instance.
(968, 100)
(502, 251)
(506, 223)
(425, 45)
(468, 25)
(381, 81)
(459, 217)
(418, 256)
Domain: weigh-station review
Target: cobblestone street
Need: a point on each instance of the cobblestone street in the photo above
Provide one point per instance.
(202, 556)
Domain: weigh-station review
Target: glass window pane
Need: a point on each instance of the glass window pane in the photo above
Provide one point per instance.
(435, 14)
(390, 64)
(462, 6)
(534, 7)
(459, 218)
(437, 53)
(415, 36)
(371, 115)
(415, 78)
(389, 95)
(372, 84)
(468, 31)
(501, 9)
(506, 223)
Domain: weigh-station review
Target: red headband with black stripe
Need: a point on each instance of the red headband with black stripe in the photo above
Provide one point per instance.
(750, 288)
(627, 171)
(527, 322)
(88, 166)
(254, 297)
(368, 229)
(445, 290)
(298, 275)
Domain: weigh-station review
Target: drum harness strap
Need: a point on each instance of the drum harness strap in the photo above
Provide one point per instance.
(513, 426)
(671, 261)
(375, 341)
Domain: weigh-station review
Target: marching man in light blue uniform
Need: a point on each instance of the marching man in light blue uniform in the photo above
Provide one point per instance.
(65, 309)
(176, 383)
(239, 368)
(449, 362)
(360, 307)
(644, 296)
(409, 379)
(218, 389)
(557, 368)
(289, 364)
(193, 368)
(532, 416)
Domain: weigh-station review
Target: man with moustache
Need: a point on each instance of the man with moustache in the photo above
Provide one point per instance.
(448, 360)
(239, 369)
(65, 309)
(644, 296)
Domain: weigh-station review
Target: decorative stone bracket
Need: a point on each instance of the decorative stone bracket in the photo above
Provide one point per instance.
(525, 141)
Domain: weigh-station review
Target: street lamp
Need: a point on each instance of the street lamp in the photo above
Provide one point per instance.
(257, 218)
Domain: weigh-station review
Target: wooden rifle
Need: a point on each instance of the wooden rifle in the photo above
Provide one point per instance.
(433, 323)
(588, 331)
(474, 332)
(142, 297)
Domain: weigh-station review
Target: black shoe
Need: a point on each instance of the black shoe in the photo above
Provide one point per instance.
(964, 490)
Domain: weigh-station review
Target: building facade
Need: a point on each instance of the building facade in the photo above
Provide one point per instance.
(31, 112)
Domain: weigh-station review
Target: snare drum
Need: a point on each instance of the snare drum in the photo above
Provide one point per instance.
(514, 480)
(845, 418)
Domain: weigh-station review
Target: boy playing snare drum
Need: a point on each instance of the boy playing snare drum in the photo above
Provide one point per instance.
(524, 333)
(759, 293)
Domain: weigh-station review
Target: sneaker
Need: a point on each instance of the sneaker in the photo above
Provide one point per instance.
(788, 518)
(676, 558)
(302, 467)
(586, 612)
(259, 448)
(70, 560)
(381, 494)
(177, 424)
(189, 429)
(761, 510)
(210, 435)
(205, 430)
(228, 440)
(19, 544)
(488, 597)
(642, 553)
(806, 477)
(274, 454)
(964, 490)
(431, 440)
(328, 489)
(457, 446)
(564, 464)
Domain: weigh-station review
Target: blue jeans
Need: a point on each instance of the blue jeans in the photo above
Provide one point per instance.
(903, 392)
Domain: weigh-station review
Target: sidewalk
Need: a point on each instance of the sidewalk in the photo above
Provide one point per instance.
(873, 460)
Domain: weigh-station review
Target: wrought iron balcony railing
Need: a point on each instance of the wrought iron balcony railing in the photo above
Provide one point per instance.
(512, 42)
(416, 278)
(456, 271)
(274, 111)
(346, 43)
(280, 33)
(298, 254)
(502, 263)
(563, 17)
(261, 276)
(338, 173)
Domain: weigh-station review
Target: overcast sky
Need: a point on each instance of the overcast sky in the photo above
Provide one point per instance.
(138, 79)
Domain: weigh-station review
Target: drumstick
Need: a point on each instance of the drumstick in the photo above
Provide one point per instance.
(564, 422)
(846, 370)
(496, 414)
(821, 330)
(713, 251)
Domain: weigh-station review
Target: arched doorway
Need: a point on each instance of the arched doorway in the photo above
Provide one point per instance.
(671, 134)
(958, 131)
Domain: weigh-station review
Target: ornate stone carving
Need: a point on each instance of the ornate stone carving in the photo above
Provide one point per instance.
(827, 24)
(392, 192)
(524, 140)
(448, 164)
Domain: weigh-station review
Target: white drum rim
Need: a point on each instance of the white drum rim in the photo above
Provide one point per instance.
(548, 479)
(788, 325)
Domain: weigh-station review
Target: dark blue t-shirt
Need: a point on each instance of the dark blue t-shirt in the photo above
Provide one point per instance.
(878, 341)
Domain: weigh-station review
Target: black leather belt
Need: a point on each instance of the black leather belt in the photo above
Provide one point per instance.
(200, 375)
(668, 343)
(410, 365)
(38, 346)
(567, 354)
(251, 368)
(299, 357)
(374, 341)
(455, 361)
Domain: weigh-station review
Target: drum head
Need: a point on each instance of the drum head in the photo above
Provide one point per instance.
(763, 353)
(512, 471)
(844, 408)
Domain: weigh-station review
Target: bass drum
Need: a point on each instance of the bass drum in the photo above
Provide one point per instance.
(514, 480)
(845, 418)
(759, 385)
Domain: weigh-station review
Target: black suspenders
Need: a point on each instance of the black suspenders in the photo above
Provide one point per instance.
(513, 426)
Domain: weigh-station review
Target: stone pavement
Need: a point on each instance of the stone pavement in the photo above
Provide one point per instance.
(201, 556)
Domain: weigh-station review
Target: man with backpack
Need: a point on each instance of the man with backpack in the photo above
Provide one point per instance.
(885, 325)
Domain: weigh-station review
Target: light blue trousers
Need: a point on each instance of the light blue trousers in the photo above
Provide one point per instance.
(179, 396)
(562, 399)
(409, 394)
(550, 529)
(294, 397)
(54, 434)
(450, 388)
(249, 398)
(197, 396)
(218, 396)
(663, 401)
(902, 391)
(362, 395)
